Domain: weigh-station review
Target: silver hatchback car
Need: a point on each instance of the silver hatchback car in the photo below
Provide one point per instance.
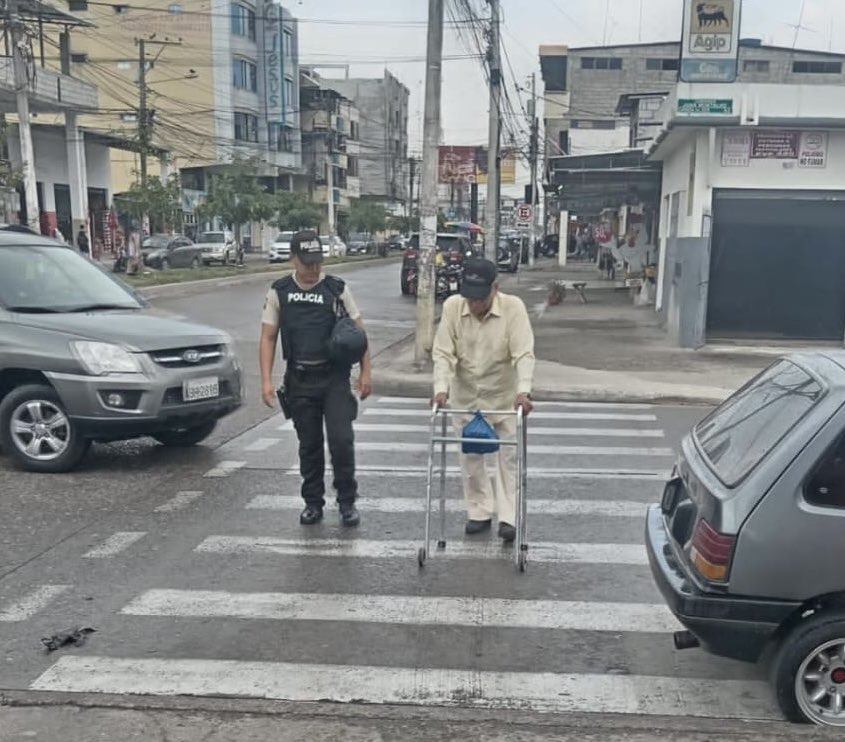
(83, 358)
(747, 542)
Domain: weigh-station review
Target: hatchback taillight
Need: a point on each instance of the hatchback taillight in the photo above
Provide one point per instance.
(412, 254)
(711, 552)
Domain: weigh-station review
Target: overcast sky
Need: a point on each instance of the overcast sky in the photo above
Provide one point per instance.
(372, 34)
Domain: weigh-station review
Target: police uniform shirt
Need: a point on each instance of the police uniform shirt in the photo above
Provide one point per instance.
(272, 313)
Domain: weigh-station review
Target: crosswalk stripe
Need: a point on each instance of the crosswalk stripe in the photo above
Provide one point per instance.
(533, 432)
(179, 501)
(412, 472)
(262, 444)
(225, 468)
(407, 609)
(545, 552)
(643, 418)
(31, 603)
(611, 508)
(422, 402)
(526, 691)
(115, 544)
(533, 449)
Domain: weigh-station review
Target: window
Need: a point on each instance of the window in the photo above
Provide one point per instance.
(280, 138)
(79, 57)
(175, 9)
(601, 63)
(755, 65)
(352, 167)
(817, 68)
(287, 41)
(120, 9)
(289, 97)
(563, 142)
(826, 487)
(243, 21)
(661, 65)
(353, 131)
(749, 426)
(244, 75)
(246, 127)
(77, 6)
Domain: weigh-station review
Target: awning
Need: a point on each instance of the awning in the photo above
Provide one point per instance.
(35, 10)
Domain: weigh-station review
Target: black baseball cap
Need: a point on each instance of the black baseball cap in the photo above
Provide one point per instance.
(307, 247)
(479, 277)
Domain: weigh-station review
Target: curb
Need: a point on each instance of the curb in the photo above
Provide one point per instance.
(154, 292)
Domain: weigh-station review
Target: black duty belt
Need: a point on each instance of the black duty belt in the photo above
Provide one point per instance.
(308, 369)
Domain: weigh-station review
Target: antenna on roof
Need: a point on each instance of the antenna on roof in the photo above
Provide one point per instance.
(798, 26)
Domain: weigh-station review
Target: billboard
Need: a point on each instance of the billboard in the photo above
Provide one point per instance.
(463, 165)
(710, 40)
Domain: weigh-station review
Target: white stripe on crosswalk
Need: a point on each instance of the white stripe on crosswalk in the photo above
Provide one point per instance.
(115, 544)
(534, 431)
(179, 501)
(261, 444)
(424, 403)
(643, 418)
(225, 468)
(407, 609)
(545, 552)
(533, 449)
(542, 692)
(612, 508)
(412, 472)
(31, 603)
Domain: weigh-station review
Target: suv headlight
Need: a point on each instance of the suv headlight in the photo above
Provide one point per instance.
(104, 358)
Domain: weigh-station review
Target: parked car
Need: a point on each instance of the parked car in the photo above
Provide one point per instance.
(360, 244)
(333, 246)
(83, 358)
(217, 247)
(280, 249)
(508, 255)
(397, 242)
(164, 251)
(454, 247)
(746, 545)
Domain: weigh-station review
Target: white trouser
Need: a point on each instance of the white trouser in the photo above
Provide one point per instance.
(487, 496)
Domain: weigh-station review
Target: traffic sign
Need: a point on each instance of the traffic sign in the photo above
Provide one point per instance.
(524, 213)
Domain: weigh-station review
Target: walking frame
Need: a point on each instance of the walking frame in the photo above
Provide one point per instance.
(520, 441)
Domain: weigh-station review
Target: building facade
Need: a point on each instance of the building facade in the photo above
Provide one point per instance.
(383, 163)
(330, 151)
(221, 82)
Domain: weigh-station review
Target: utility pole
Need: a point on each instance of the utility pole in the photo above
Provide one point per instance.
(428, 184)
(21, 59)
(535, 127)
(330, 185)
(493, 155)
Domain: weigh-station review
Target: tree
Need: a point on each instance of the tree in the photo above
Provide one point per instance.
(236, 196)
(403, 224)
(365, 216)
(160, 201)
(294, 212)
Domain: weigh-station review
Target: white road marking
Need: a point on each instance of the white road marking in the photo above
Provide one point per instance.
(524, 691)
(425, 430)
(424, 404)
(610, 508)
(179, 501)
(407, 609)
(533, 450)
(262, 444)
(285, 426)
(549, 552)
(31, 603)
(115, 544)
(225, 468)
(642, 418)
(412, 472)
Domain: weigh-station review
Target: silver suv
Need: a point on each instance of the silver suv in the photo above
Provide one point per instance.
(83, 358)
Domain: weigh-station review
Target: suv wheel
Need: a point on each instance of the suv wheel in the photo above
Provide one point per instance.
(37, 432)
(809, 672)
(184, 437)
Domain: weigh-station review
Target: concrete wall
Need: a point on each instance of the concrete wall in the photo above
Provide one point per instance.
(684, 311)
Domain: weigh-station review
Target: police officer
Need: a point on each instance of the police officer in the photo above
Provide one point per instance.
(303, 308)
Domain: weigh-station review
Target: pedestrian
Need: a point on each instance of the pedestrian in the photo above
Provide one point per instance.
(82, 241)
(303, 308)
(484, 360)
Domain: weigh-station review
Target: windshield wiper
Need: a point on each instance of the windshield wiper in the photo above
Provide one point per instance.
(98, 307)
(33, 310)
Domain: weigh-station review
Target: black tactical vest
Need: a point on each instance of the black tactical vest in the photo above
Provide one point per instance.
(308, 318)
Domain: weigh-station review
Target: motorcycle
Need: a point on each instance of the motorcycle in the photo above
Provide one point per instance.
(508, 258)
(448, 280)
(121, 261)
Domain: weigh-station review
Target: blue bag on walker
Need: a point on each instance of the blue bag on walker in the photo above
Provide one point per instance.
(478, 427)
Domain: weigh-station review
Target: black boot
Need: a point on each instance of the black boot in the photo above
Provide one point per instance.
(477, 526)
(311, 515)
(507, 532)
(349, 514)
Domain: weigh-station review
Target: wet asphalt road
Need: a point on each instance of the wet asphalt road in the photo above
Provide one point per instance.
(193, 568)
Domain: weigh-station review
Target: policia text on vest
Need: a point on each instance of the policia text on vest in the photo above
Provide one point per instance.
(322, 338)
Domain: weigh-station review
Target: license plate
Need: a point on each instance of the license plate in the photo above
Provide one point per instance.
(453, 286)
(670, 495)
(206, 388)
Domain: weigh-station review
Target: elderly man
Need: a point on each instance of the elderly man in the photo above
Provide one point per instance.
(484, 360)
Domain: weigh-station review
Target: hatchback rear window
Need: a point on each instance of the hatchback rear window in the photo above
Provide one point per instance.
(740, 433)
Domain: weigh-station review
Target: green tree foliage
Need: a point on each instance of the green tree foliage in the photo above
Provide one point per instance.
(160, 201)
(294, 212)
(365, 216)
(236, 196)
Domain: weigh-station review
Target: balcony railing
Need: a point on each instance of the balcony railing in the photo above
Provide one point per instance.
(51, 90)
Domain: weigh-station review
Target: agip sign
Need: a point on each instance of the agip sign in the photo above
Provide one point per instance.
(710, 40)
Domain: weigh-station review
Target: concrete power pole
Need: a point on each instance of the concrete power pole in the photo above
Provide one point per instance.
(330, 187)
(21, 59)
(493, 155)
(535, 127)
(428, 184)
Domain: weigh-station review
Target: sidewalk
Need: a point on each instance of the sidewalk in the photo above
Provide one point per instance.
(607, 350)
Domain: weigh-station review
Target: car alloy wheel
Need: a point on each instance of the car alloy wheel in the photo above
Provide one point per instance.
(820, 684)
(40, 430)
